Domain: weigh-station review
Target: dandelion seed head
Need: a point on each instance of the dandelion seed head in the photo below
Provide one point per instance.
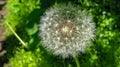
(66, 30)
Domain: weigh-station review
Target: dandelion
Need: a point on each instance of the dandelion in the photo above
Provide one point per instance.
(66, 30)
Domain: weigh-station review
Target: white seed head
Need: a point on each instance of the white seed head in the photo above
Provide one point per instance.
(66, 30)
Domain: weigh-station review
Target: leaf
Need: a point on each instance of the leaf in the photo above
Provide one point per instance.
(31, 29)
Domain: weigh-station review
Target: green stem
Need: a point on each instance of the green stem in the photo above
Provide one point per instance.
(77, 61)
(23, 43)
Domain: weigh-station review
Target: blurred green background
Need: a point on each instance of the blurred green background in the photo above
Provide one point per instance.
(24, 17)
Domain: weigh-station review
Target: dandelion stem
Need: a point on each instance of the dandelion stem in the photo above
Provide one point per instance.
(77, 61)
(23, 43)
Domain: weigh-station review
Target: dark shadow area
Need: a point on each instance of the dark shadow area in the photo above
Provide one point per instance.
(45, 4)
(9, 45)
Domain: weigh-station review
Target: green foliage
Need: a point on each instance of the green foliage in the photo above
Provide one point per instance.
(106, 45)
(24, 17)
(25, 59)
(20, 16)
(19, 11)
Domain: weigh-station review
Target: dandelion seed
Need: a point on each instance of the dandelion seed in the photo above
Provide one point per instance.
(72, 38)
(56, 32)
(58, 38)
(68, 21)
(66, 38)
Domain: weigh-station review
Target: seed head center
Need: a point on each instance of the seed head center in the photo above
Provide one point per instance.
(66, 29)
